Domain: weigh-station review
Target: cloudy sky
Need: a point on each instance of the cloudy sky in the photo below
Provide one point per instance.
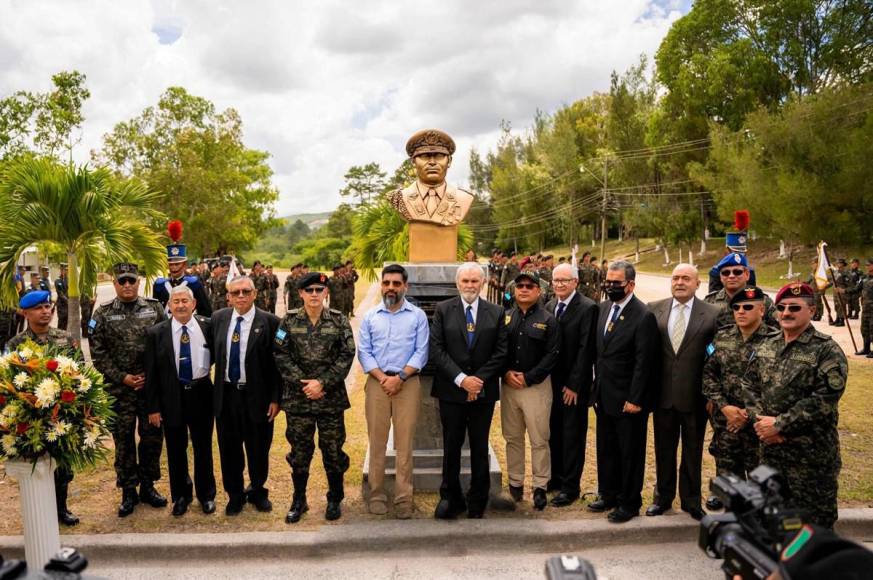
(326, 84)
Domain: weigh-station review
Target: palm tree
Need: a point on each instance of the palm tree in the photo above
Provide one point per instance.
(97, 218)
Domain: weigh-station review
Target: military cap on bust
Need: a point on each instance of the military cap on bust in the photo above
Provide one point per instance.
(430, 141)
(733, 259)
(311, 279)
(530, 275)
(794, 290)
(748, 294)
(125, 270)
(32, 299)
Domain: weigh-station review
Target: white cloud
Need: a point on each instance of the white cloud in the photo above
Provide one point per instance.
(324, 85)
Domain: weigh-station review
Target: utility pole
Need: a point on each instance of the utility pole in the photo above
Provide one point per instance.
(603, 210)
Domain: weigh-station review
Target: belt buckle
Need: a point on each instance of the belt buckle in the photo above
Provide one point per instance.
(240, 386)
(188, 387)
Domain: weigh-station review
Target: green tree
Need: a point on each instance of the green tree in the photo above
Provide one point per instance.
(96, 218)
(364, 183)
(195, 157)
(296, 232)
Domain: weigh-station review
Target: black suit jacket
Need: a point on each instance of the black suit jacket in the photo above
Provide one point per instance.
(681, 377)
(263, 382)
(162, 386)
(626, 368)
(448, 349)
(578, 347)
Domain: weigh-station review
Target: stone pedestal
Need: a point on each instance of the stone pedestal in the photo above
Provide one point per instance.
(432, 243)
(39, 512)
(429, 284)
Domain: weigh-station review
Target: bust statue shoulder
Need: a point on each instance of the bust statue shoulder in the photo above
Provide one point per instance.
(453, 206)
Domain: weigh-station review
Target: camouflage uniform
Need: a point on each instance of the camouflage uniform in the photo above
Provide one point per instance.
(262, 300)
(726, 317)
(62, 302)
(324, 352)
(723, 372)
(801, 385)
(273, 291)
(8, 325)
(866, 293)
(117, 341)
(589, 281)
(218, 292)
(853, 292)
(292, 297)
(546, 276)
(335, 286)
(816, 296)
(842, 281)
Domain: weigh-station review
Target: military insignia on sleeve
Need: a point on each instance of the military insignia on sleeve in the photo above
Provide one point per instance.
(280, 336)
(710, 349)
(508, 319)
(540, 325)
(92, 324)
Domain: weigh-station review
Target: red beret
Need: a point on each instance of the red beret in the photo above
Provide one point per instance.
(794, 290)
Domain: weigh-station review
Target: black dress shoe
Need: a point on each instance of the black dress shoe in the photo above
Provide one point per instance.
(695, 513)
(149, 495)
(129, 499)
(539, 499)
(516, 493)
(180, 506)
(553, 485)
(67, 518)
(475, 513)
(332, 511)
(563, 499)
(448, 510)
(714, 503)
(234, 505)
(262, 504)
(656, 510)
(601, 505)
(620, 515)
(297, 509)
(208, 506)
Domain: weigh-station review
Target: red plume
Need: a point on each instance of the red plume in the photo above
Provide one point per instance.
(174, 230)
(741, 220)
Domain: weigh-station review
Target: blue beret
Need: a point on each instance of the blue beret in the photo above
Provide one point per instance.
(35, 298)
(733, 259)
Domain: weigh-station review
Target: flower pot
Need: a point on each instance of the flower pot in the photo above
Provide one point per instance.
(39, 512)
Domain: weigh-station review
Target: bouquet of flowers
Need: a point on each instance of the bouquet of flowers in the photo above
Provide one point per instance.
(52, 404)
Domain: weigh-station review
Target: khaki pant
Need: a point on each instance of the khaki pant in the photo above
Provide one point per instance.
(381, 410)
(527, 409)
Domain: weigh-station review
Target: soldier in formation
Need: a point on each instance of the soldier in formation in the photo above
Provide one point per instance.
(272, 288)
(218, 284)
(291, 296)
(853, 292)
(865, 290)
(589, 278)
(63, 297)
(842, 282)
(734, 272)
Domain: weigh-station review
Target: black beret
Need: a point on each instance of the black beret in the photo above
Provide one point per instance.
(748, 294)
(311, 279)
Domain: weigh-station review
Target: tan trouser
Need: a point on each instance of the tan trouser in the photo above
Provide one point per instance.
(529, 409)
(381, 410)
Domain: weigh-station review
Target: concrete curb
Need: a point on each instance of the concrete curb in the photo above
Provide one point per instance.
(457, 538)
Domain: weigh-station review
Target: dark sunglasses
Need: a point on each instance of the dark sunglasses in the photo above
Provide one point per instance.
(525, 286)
(126, 281)
(615, 283)
(315, 290)
(789, 307)
(737, 272)
(746, 307)
(245, 292)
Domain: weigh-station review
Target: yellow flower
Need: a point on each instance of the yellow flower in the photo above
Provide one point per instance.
(21, 379)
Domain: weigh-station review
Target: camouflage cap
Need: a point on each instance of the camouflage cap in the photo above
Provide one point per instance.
(430, 141)
(530, 275)
(125, 270)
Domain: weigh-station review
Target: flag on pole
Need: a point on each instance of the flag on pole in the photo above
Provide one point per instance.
(573, 256)
(822, 268)
(233, 271)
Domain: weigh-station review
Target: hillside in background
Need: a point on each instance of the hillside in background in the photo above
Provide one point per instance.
(313, 220)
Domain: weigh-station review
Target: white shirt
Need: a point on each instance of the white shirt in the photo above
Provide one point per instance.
(245, 328)
(200, 360)
(621, 306)
(566, 303)
(674, 311)
(475, 312)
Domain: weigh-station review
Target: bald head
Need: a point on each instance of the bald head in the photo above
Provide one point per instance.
(684, 282)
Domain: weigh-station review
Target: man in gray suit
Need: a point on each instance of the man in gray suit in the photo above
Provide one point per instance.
(687, 326)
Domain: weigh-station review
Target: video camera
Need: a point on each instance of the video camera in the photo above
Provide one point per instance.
(66, 564)
(755, 526)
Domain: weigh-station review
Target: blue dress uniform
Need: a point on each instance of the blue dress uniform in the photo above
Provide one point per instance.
(161, 288)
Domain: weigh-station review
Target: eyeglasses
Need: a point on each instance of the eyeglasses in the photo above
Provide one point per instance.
(789, 307)
(126, 281)
(240, 293)
(614, 283)
(737, 272)
(745, 307)
(525, 286)
(392, 284)
(563, 281)
(315, 290)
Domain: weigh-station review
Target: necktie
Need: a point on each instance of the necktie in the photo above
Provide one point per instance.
(233, 373)
(613, 318)
(560, 312)
(471, 326)
(186, 371)
(432, 201)
(677, 333)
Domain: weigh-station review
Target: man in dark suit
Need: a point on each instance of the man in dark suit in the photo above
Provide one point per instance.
(627, 347)
(246, 394)
(179, 396)
(687, 326)
(468, 346)
(571, 383)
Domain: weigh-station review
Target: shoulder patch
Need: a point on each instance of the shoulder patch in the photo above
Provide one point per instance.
(710, 349)
(280, 335)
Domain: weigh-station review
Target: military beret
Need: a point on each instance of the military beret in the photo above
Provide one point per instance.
(533, 276)
(430, 141)
(748, 294)
(794, 290)
(225, 260)
(524, 262)
(311, 279)
(337, 266)
(841, 261)
(32, 299)
(733, 259)
(125, 269)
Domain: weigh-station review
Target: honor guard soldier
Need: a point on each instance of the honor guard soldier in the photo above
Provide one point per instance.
(117, 337)
(63, 300)
(37, 308)
(733, 272)
(177, 262)
(314, 349)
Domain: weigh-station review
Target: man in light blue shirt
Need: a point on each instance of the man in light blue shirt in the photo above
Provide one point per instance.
(392, 349)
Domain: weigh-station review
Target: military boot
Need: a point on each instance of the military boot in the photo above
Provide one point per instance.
(129, 499)
(149, 495)
(65, 516)
(335, 495)
(298, 502)
(865, 350)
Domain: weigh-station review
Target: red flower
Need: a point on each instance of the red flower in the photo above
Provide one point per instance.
(68, 396)
(22, 428)
(51, 365)
(2, 400)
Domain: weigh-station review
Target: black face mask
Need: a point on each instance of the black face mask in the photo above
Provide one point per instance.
(616, 294)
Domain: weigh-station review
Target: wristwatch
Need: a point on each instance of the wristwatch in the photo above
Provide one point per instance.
(403, 376)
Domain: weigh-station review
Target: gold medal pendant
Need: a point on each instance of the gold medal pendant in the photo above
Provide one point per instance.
(185, 339)
(471, 327)
(235, 337)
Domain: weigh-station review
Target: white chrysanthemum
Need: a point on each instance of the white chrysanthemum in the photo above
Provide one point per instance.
(21, 379)
(62, 427)
(47, 392)
(84, 385)
(10, 411)
(8, 441)
(91, 438)
(4, 363)
(66, 365)
(25, 353)
(51, 435)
